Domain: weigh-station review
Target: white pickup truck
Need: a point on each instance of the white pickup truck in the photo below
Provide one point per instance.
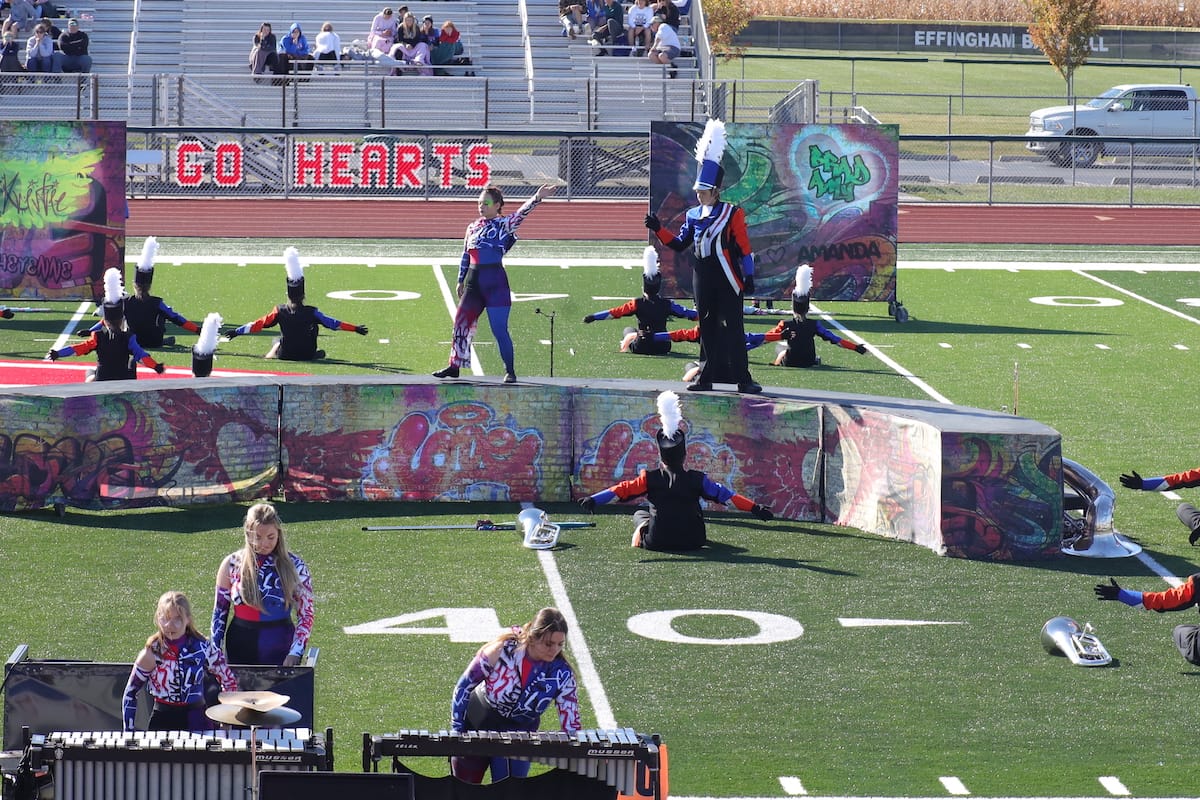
(1131, 109)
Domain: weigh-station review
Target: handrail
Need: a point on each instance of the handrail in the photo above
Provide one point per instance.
(523, 10)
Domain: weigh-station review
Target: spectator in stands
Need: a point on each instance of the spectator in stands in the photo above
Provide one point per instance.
(448, 47)
(669, 12)
(410, 45)
(383, 31)
(39, 51)
(262, 54)
(666, 44)
(294, 47)
(45, 9)
(637, 30)
(21, 16)
(328, 44)
(429, 34)
(72, 53)
(9, 60)
(611, 25)
(571, 14)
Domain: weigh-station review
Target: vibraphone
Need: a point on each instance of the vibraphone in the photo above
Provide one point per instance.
(610, 756)
(174, 765)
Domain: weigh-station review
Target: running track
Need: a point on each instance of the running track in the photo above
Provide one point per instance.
(622, 220)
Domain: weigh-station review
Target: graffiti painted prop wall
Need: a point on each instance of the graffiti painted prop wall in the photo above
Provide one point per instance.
(62, 208)
(822, 195)
(960, 481)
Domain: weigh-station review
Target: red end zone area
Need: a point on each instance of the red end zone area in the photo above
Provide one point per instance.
(18, 373)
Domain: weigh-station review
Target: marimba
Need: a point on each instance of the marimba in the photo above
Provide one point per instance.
(610, 756)
(174, 765)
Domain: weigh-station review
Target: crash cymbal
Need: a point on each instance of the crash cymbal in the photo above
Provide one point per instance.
(245, 717)
(256, 701)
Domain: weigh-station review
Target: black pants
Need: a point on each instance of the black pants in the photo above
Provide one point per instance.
(722, 331)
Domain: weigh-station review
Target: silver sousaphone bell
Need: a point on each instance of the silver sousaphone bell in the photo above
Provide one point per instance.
(1063, 636)
(540, 532)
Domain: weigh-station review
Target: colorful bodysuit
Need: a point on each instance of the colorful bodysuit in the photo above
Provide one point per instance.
(510, 695)
(266, 635)
(177, 683)
(485, 284)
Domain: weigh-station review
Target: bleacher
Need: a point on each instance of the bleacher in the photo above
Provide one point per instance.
(206, 44)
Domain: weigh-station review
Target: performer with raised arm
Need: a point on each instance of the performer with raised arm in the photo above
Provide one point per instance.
(483, 282)
(1188, 514)
(651, 310)
(674, 519)
(117, 348)
(506, 687)
(723, 267)
(297, 322)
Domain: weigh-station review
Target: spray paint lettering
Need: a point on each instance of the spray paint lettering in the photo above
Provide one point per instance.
(460, 451)
(836, 176)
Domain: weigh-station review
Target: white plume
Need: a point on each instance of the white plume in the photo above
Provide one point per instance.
(649, 262)
(803, 281)
(291, 261)
(209, 331)
(711, 145)
(669, 413)
(149, 253)
(112, 286)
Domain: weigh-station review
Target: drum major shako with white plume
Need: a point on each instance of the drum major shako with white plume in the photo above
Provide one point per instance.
(709, 150)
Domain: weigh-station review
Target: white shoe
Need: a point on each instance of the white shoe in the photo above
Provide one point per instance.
(593, 43)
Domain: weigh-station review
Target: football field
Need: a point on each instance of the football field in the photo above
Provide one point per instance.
(786, 658)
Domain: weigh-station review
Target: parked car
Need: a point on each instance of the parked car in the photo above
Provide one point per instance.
(1132, 109)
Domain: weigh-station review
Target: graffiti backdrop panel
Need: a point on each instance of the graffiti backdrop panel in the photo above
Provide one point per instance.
(62, 208)
(823, 195)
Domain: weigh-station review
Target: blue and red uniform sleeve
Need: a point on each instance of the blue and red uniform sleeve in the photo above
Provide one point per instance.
(333, 324)
(1180, 480)
(681, 335)
(623, 310)
(737, 231)
(79, 348)
(1176, 598)
(625, 490)
(177, 318)
(265, 321)
(143, 358)
(680, 241)
(686, 313)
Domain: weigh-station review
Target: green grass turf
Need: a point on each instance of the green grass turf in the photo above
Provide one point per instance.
(875, 711)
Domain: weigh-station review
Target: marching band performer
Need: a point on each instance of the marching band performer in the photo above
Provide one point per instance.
(651, 311)
(724, 267)
(117, 348)
(297, 322)
(263, 584)
(1187, 637)
(483, 282)
(147, 314)
(674, 520)
(506, 687)
(797, 348)
(1188, 514)
(172, 665)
